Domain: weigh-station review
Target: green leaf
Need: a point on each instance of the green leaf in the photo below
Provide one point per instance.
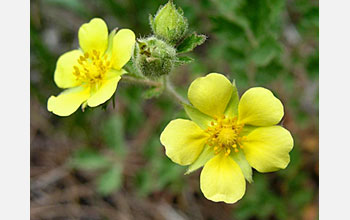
(266, 52)
(89, 159)
(168, 173)
(73, 5)
(183, 60)
(113, 133)
(232, 106)
(191, 42)
(144, 182)
(110, 181)
(201, 119)
(152, 92)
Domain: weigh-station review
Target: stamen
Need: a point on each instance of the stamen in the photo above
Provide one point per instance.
(224, 135)
(228, 151)
(92, 68)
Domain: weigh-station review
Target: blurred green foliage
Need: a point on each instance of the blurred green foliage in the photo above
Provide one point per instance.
(268, 43)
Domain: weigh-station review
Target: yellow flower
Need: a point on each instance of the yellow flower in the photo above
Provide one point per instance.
(90, 74)
(228, 136)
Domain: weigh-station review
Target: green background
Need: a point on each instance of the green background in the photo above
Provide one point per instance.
(108, 163)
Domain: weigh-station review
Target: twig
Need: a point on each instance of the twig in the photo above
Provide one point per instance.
(49, 177)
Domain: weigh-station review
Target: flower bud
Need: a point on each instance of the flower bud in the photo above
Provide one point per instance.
(169, 23)
(153, 57)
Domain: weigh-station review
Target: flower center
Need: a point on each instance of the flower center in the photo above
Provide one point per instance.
(92, 67)
(225, 135)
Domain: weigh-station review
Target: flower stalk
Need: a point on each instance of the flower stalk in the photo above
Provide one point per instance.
(141, 81)
(166, 83)
(171, 91)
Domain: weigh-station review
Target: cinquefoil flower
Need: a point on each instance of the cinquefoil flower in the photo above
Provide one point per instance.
(90, 74)
(228, 136)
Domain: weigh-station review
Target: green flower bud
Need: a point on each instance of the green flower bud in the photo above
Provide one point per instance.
(169, 23)
(154, 57)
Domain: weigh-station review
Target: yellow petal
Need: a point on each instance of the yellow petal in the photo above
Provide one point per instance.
(183, 141)
(105, 91)
(68, 101)
(93, 36)
(64, 77)
(123, 46)
(210, 94)
(267, 148)
(222, 180)
(259, 107)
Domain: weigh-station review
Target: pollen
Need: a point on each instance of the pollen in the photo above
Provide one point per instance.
(92, 67)
(225, 135)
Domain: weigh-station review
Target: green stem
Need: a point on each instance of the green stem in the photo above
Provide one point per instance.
(166, 84)
(146, 82)
(171, 91)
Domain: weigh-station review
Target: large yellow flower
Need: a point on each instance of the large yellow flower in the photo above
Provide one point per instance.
(228, 136)
(90, 74)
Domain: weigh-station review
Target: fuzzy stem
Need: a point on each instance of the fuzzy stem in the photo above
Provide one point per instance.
(146, 82)
(166, 83)
(171, 91)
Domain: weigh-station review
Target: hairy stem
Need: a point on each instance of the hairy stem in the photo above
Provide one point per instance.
(169, 88)
(146, 82)
(171, 91)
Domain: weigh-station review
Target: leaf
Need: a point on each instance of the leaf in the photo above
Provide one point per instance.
(183, 60)
(144, 182)
(266, 52)
(168, 173)
(113, 133)
(152, 92)
(74, 5)
(88, 159)
(110, 181)
(191, 42)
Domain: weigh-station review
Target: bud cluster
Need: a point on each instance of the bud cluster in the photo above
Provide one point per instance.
(156, 55)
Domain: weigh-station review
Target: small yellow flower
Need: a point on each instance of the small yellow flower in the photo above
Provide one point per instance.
(90, 74)
(228, 136)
